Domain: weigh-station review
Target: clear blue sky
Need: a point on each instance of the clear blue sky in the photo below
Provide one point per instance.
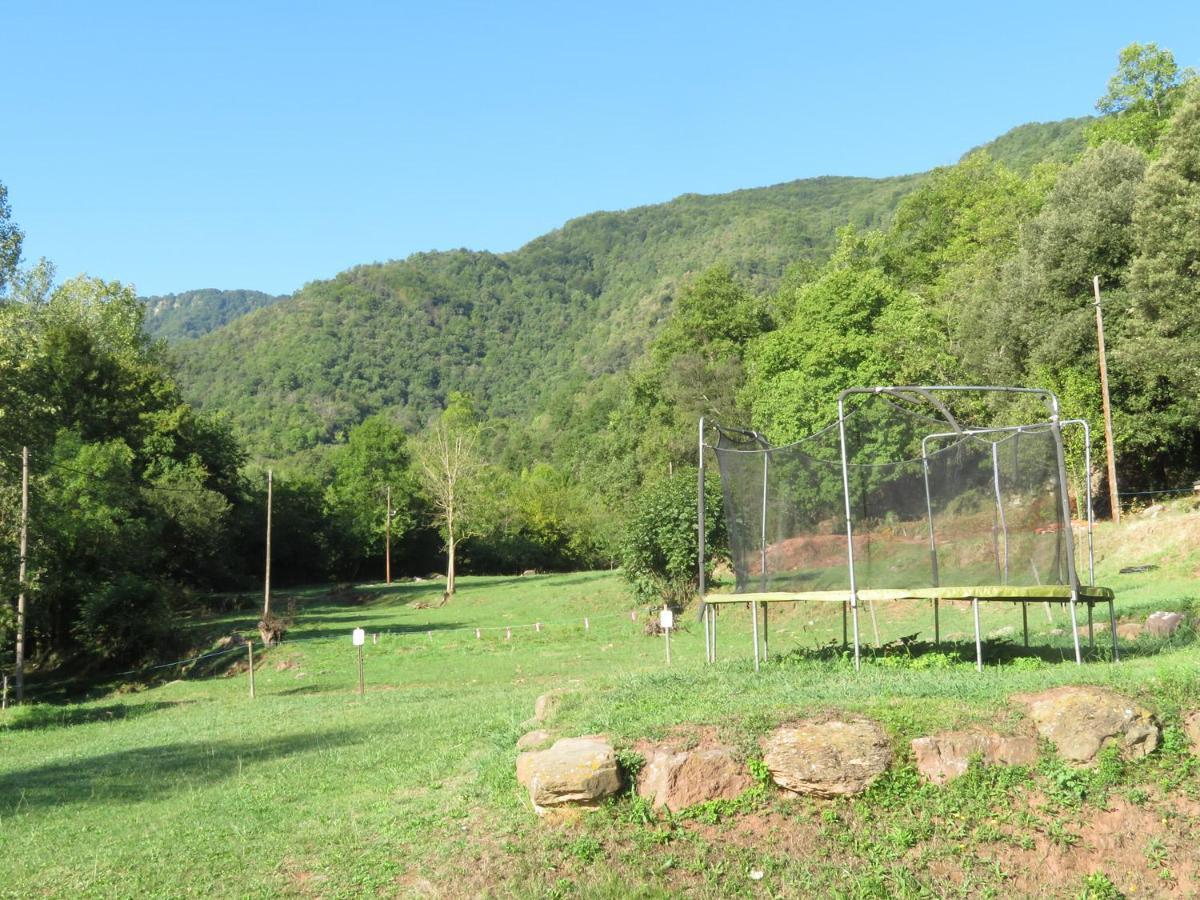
(263, 145)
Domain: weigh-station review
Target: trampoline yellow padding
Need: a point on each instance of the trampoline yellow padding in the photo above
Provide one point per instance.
(1016, 593)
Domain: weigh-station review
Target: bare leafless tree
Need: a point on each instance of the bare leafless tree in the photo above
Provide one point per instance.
(449, 465)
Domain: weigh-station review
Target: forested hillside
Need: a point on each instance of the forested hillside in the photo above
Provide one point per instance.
(193, 314)
(1025, 146)
(504, 328)
(511, 329)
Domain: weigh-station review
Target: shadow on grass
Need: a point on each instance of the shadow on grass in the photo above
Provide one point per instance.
(911, 652)
(146, 773)
(40, 716)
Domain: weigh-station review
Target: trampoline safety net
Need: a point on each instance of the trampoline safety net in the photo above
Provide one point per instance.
(932, 503)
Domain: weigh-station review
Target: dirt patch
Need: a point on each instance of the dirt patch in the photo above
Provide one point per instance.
(1146, 850)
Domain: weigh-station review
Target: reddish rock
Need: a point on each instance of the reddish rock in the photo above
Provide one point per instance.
(679, 779)
(1191, 727)
(1164, 624)
(944, 757)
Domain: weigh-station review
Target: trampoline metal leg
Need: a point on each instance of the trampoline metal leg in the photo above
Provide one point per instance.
(707, 639)
(766, 650)
(1112, 624)
(937, 625)
(1075, 628)
(978, 640)
(1025, 622)
(754, 629)
(857, 651)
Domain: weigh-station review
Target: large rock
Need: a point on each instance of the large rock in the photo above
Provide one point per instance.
(679, 779)
(534, 739)
(1191, 727)
(574, 772)
(943, 757)
(1164, 624)
(1130, 631)
(1080, 720)
(827, 757)
(545, 706)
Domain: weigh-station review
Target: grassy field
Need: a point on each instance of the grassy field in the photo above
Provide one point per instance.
(182, 785)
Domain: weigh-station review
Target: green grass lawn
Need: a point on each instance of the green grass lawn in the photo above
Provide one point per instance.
(185, 786)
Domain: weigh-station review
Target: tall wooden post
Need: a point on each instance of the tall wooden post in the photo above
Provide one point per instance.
(1113, 494)
(387, 550)
(267, 578)
(24, 550)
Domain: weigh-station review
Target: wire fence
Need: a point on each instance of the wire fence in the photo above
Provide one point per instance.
(80, 685)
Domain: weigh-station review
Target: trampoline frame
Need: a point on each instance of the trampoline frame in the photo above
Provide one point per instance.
(1070, 594)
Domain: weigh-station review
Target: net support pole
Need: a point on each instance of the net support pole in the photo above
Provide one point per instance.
(1002, 561)
(1091, 527)
(754, 629)
(1087, 490)
(1056, 431)
(762, 561)
(934, 578)
(849, 527)
(978, 639)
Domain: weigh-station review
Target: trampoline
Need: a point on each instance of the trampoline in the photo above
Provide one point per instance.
(898, 499)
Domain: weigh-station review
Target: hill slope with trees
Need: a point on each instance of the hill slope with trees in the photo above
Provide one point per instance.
(193, 314)
(509, 329)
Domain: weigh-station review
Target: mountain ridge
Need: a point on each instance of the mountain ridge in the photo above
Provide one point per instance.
(580, 301)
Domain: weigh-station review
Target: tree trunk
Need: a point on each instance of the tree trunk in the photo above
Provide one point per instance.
(451, 547)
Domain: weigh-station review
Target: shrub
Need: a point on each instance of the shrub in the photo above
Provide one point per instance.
(660, 556)
(125, 621)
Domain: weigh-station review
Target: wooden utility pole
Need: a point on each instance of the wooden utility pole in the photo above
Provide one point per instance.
(267, 579)
(387, 527)
(1113, 494)
(20, 679)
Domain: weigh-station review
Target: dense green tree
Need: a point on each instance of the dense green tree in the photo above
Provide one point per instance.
(1141, 98)
(1163, 333)
(374, 458)
(128, 481)
(852, 326)
(971, 209)
(10, 242)
(714, 317)
(1084, 228)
